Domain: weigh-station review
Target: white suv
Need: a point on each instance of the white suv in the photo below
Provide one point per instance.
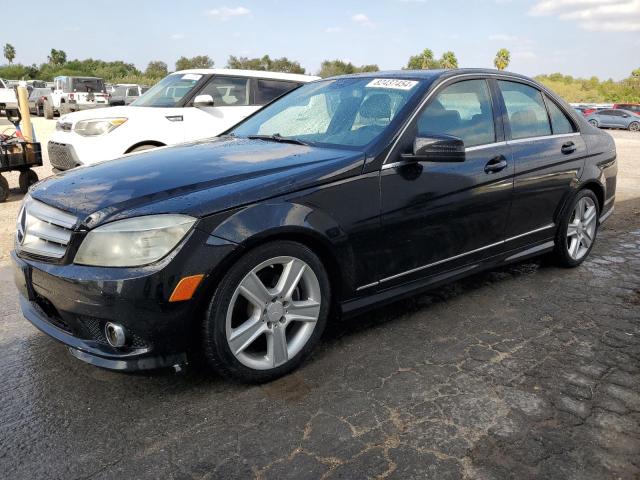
(184, 106)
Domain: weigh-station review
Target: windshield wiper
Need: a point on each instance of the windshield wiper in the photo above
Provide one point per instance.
(276, 137)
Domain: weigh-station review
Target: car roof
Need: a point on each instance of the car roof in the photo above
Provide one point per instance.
(296, 77)
(434, 74)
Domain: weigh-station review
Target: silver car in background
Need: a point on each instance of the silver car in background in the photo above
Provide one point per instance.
(618, 118)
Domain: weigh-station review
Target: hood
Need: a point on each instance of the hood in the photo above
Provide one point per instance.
(111, 112)
(197, 179)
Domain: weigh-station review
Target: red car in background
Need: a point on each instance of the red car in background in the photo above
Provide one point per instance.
(631, 107)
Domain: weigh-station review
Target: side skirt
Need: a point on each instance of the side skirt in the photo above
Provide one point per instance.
(359, 305)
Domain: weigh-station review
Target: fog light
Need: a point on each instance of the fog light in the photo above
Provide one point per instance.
(115, 334)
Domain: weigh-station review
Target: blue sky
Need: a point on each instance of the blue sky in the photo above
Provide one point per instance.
(577, 37)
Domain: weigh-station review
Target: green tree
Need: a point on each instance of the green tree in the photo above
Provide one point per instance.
(331, 68)
(57, 57)
(9, 52)
(635, 73)
(265, 63)
(503, 58)
(199, 61)
(156, 69)
(423, 61)
(448, 60)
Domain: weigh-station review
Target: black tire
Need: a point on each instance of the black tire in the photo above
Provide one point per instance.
(594, 123)
(561, 251)
(634, 126)
(4, 189)
(39, 111)
(48, 111)
(26, 179)
(216, 349)
(142, 148)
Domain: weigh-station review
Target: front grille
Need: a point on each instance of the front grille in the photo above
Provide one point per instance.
(62, 156)
(43, 230)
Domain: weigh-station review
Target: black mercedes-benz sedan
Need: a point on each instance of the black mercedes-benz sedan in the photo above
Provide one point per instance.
(342, 195)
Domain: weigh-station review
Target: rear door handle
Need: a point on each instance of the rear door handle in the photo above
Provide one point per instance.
(495, 164)
(568, 148)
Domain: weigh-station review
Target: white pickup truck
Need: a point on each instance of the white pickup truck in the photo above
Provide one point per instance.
(8, 97)
(72, 94)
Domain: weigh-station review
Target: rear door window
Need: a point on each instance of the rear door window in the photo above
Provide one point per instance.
(559, 122)
(462, 110)
(526, 110)
(269, 90)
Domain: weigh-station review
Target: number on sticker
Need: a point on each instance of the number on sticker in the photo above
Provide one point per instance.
(392, 83)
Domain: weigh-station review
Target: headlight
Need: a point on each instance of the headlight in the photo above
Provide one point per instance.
(134, 241)
(94, 128)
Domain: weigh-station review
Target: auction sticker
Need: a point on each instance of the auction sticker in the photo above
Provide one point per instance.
(393, 83)
(191, 76)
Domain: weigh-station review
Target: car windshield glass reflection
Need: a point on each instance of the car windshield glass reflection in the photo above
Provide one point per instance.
(347, 112)
(169, 91)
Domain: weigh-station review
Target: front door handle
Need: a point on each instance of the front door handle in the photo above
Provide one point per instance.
(495, 164)
(568, 148)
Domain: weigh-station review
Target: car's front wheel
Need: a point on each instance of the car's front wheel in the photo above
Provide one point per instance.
(577, 230)
(267, 313)
(634, 126)
(593, 122)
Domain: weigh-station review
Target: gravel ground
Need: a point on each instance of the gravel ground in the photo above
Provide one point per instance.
(526, 372)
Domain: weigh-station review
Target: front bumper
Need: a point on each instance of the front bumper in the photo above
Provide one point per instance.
(72, 303)
(69, 150)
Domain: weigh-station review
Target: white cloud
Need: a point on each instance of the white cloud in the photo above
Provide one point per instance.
(596, 15)
(176, 36)
(524, 55)
(362, 19)
(225, 13)
(502, 37)
(332, 29)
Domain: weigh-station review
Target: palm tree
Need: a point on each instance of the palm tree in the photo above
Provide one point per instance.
(422, 61)
(9, 52)
(503, 57)
(448, 60)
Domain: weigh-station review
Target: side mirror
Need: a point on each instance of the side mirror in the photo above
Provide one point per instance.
(437, 148)
(203, 101)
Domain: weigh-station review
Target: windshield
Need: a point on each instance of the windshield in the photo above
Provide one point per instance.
(345, 112)
(169, 91)
(89, 85)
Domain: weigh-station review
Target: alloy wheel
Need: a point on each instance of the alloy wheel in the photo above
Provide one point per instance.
(273, 312)
(634, 127)
(581, 230)
(593, 122)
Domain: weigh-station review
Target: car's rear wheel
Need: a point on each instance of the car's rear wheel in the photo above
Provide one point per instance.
(577, 230)
(593, 122)
(142, 148)
(634, 126)
(267, 313)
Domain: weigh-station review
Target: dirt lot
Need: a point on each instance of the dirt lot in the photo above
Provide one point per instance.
(526, 372)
